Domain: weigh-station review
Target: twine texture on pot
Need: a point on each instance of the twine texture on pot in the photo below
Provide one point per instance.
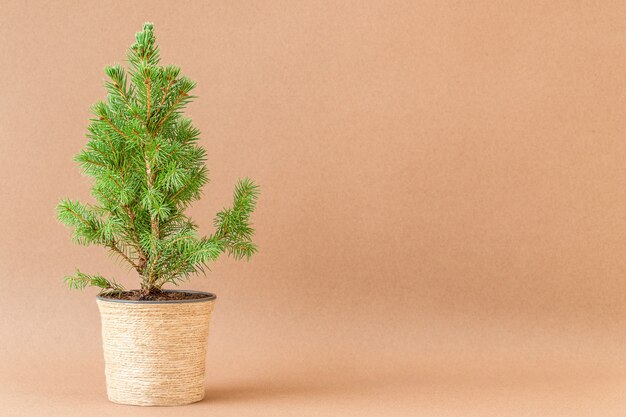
(155, 352)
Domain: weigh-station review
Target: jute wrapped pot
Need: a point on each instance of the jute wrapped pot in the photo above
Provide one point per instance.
(154, 351)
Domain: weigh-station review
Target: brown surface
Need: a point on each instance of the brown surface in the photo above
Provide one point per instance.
(442, 228)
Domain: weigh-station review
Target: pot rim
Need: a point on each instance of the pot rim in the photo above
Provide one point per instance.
(210, 297)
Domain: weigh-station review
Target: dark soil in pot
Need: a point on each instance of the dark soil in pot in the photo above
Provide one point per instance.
(138, 295)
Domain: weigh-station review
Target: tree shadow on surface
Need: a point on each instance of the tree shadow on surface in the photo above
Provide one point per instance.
(250, 391)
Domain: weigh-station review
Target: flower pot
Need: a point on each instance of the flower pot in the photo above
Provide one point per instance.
(154, 351)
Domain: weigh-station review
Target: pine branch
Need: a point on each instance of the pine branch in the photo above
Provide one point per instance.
(233, 227)
(80, 281)
(142, 255)
(117, 250)
(171, 78)
(148, 98)
(115, 128)
(172, 108)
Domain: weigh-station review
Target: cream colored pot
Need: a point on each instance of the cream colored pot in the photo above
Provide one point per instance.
(154, 351)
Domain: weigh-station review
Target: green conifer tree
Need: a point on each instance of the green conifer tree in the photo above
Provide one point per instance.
(147, 167)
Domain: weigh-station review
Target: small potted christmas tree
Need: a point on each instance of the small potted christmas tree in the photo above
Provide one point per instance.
(147, 167)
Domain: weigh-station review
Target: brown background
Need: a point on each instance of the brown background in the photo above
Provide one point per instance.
(442, 226)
